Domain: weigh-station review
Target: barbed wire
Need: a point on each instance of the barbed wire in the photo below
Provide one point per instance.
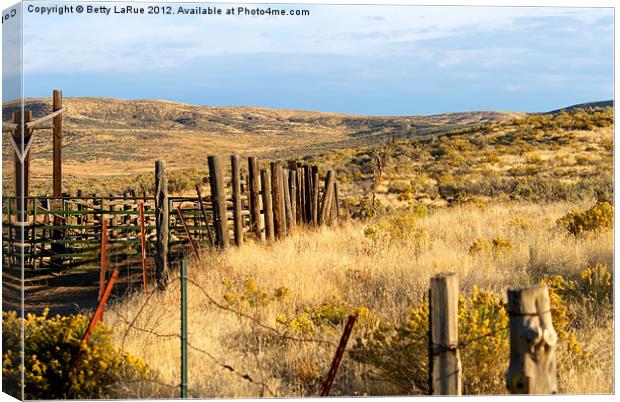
(230, 368)
(131, 325)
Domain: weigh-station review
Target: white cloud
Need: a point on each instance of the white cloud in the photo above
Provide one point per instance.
(154, 43)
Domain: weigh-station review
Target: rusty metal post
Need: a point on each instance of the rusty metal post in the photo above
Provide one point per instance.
(327, 385)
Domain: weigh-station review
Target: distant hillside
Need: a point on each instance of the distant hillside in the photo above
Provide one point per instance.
(607, 103)
(104, 136)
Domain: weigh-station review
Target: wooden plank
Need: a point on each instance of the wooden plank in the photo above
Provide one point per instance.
(255, 216)
(52, 116)
(161, 221)
(236, 199)
(267, 205)
(444, 360)
(57, 144)
(533, 342)
(218, 198)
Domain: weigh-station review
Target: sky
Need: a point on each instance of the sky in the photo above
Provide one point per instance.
(377, 60)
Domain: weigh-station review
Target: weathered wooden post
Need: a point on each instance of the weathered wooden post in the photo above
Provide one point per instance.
(279, 218)
(57, 144)
(218, 199)
(21, 156)
(327, 198)
(267, 204)
(292, 184)
(161, 222)
(289, 197)
(287, 201)
(315, 195)
(236, 199)
(533, 342)
(307, 194)
(444, 360)
(336, 201)
(300, 195)
(254, 178)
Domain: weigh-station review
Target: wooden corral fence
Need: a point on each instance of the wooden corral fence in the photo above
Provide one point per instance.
(259, 201)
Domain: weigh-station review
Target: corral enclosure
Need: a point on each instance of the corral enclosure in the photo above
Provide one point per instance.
(326, 235)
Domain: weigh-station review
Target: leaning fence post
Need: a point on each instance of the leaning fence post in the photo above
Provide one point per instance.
(315, 196)
(533, 341)
(279, 217)
(161, 221)
(267, 204)
(253, 175)
(444, 360)
(218, 197)
(236, 199)
(327, 198)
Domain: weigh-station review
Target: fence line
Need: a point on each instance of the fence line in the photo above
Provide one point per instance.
(255, 203)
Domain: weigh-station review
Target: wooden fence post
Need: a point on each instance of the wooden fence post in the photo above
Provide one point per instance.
(533, 342)
(279, 218)
(287, 201)
(57, 144)
(307, 194)
(315, 195)
(254, 177)
(236, 199)
(218, 199)
(292, 184)
(267, 204)
(161, 221)
(444, 360)
(327, 198)
(336, 201)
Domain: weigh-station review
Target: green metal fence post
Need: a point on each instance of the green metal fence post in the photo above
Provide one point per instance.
(184, 329)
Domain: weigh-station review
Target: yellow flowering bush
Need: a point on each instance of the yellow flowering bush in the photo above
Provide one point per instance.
(592, 291)
(248, 294)
(50, 346)
(330, 314)
(399, 353)
(595, 219)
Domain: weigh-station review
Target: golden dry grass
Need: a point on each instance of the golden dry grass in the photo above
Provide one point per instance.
(385, 276)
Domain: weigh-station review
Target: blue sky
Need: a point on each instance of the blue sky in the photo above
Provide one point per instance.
(379, 60)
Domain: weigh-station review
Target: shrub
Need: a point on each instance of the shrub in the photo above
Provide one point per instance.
(592, 291)
(50, 345)
(598, 217)
(399, 353)
(494, 246)
(330, 314)
(248, 294)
